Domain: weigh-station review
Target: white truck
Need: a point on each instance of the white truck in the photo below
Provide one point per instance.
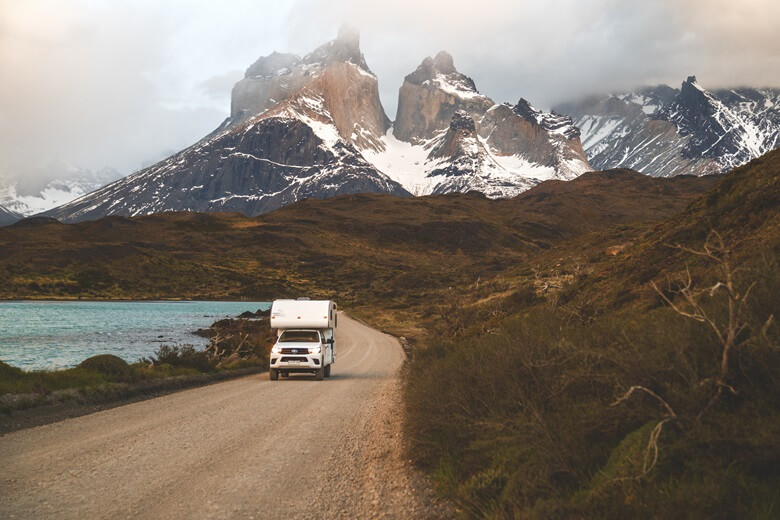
(306, 340)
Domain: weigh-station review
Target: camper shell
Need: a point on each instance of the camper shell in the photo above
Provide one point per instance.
(306, 340)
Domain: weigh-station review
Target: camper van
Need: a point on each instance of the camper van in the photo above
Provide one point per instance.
(305, 337)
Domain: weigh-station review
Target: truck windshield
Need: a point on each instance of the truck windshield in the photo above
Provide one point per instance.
(299, 336)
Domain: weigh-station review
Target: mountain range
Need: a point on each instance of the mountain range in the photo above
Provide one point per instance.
(662, 131)
(48, 186)
(314, 127)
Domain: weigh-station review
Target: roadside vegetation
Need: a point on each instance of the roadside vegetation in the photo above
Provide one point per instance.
(529, 408)
(646, 386)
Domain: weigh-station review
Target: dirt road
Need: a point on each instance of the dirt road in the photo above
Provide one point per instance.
(248, 448)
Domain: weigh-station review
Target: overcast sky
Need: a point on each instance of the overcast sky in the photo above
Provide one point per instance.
(107, 83)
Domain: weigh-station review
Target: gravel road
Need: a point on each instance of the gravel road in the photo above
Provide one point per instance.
(248, 448)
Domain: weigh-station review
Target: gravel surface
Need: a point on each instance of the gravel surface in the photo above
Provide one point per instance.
(248, 448)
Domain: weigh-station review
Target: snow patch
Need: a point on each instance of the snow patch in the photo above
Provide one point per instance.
(455, 87)
(403, 162)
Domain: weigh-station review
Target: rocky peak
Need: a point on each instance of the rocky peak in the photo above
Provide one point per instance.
(525, 110)
(460, 146)
(349, 36)
(345, 48)
(336, 72)
(549, 121)
(440, 72)
(444, 63)
(275, 64)
(330, 86)
(431, 95)
(460, 141)
(463, 122)
(690, 90)
(691, 109)
(665, 131)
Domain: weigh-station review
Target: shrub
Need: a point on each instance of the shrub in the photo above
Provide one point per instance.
(521, 423)
(10, 373)
(44, 382)
(113, 367)
(185, 357)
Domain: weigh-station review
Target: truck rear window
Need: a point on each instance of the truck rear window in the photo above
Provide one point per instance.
(299, 336)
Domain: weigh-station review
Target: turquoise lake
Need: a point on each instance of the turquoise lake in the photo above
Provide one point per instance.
(50, 335)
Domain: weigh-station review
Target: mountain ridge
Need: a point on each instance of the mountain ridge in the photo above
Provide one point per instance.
(434, 239)
(663, 131)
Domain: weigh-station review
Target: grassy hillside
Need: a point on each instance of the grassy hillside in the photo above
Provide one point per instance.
(600, 400)
(361, 249)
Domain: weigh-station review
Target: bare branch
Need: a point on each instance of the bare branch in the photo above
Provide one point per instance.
(730, 330)
(649, 392)
(651, 449)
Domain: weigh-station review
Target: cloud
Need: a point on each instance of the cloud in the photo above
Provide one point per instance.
(559, 49)
(82, 84)
(219, 86)
(118, 83)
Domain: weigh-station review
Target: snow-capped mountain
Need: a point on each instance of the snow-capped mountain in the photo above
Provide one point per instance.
(315, 127)
(296, 130)
(662, 131)
(447, 137)
(49, 186)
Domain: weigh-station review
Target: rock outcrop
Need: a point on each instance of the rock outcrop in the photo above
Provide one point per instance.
(431, 95)
(335, 78)
(461, 163)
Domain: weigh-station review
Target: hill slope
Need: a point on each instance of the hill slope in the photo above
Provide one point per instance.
(578, 392)
(344, 244)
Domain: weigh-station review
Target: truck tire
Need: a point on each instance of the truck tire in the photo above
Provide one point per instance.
(327, 371)
(273, 375)
(319, 375)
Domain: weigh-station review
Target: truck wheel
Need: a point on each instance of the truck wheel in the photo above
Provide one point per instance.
(273, 375)
(319, 374)
(327, 371)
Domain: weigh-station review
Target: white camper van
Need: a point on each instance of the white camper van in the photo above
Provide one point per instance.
(306, 341)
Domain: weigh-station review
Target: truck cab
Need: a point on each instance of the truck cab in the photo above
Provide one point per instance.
(306, 340)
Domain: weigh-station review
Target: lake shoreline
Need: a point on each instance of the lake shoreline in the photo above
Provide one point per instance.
(59, 334)
(60, 394)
